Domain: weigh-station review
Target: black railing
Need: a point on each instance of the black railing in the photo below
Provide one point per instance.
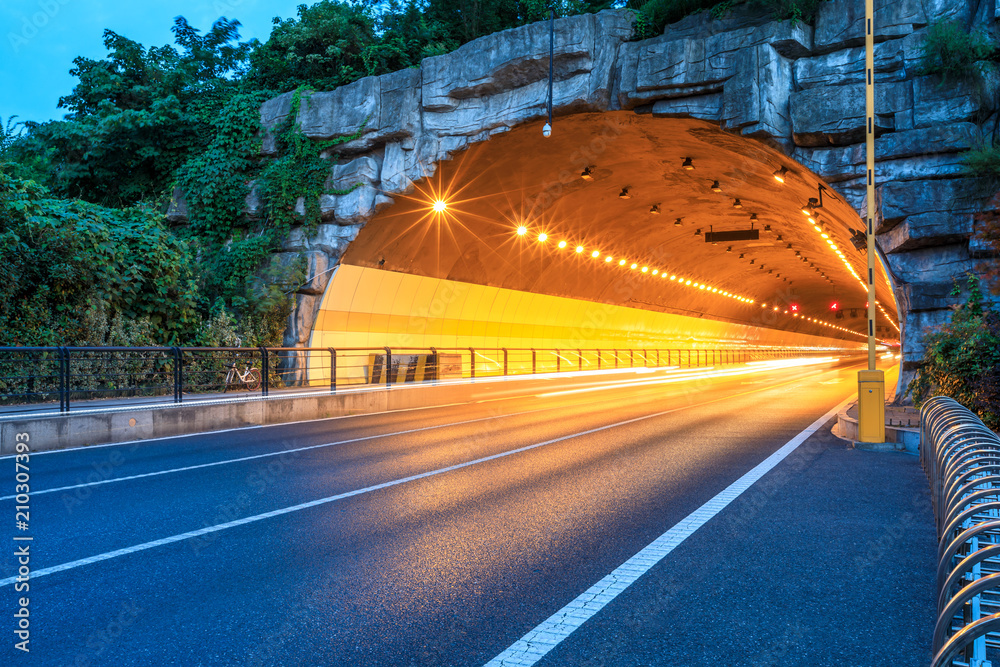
(42, 377)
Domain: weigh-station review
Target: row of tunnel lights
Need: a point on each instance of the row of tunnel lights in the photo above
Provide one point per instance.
(817, 225)
(809, 210)
(522, 231)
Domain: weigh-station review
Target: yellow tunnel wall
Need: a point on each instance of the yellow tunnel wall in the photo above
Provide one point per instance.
(374, 308)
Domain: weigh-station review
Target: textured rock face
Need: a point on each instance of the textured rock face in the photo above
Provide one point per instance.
(798, 87)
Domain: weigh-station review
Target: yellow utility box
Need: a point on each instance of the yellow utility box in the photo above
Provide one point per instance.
(871, 406)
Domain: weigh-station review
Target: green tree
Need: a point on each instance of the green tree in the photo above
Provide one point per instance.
(322, 48)
(138, 114)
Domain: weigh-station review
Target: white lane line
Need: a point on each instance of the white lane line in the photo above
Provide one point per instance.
(276, 453)
(340, 496)
(510, 378)
(297, 449)
(534, 645)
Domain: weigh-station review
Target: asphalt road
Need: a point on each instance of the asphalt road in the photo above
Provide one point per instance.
(427, 537)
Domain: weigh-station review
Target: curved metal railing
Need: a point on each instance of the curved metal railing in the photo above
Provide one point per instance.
(961, 457)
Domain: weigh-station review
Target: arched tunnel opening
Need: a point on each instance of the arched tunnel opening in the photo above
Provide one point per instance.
(619, 230)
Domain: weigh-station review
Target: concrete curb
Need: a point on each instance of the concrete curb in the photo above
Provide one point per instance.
(898, 438)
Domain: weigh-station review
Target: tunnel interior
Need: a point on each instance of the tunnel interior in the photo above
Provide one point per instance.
(620, 228)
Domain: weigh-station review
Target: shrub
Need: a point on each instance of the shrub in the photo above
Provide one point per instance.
(954, 52)
(962, 359)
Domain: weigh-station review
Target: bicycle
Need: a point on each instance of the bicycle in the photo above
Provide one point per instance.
(249, 376)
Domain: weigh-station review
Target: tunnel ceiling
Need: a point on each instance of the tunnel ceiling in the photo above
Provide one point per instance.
(521, 179)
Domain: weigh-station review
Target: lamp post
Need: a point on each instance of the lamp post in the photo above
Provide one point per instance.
(871, 382)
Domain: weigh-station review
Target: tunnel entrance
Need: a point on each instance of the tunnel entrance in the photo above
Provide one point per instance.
(621, 229)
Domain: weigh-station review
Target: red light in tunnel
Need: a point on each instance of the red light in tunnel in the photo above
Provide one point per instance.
(794, 307)
(834, 306)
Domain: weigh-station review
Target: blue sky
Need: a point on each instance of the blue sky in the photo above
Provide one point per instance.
(40, 38)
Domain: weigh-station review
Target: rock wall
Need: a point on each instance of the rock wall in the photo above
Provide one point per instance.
(797, 87)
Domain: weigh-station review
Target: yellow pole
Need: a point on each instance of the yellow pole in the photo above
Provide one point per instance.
(871, 383)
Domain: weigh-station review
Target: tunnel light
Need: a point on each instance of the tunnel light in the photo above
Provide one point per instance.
(645, 269)
(624, 194)
(440, 206)
(608, 258)
(522, 230)
(562, 244)
(716, 187)
(697, 232)
(729, 249)
(826, 236)
(677, 222)
(687, 282)
(633, 267)
(587, 174)
(780, 175)
(701, 287)
(542, 237)
(715, 289)
(833, 246)
(621, 262)
(737, 203)
(655, 209)
(579, 249)
(595, 254)
(664, 275)
(687, 164)
(779, 238)
(656, 272)
(674, 277)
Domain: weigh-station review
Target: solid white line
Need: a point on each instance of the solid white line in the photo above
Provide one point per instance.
(534, 645)
(340, 496)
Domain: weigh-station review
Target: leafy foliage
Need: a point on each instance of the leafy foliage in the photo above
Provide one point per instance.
(962, 359)
(138, 114)
(67, 260)
(954, 52)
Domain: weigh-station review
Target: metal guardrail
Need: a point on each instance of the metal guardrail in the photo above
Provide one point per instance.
(961, 457)
(33, 378)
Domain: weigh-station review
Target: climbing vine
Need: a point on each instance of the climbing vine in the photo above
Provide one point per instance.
(300, 170)
(241, 272)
